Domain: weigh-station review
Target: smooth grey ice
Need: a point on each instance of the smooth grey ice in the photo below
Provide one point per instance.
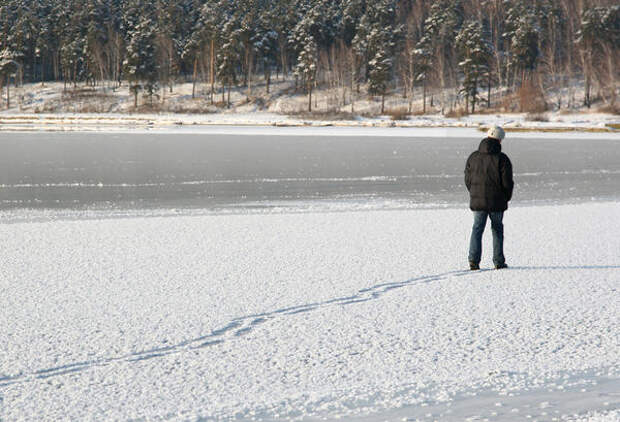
(83, 170)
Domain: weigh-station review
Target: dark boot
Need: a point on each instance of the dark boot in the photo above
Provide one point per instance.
(474, 266)
(500, 266)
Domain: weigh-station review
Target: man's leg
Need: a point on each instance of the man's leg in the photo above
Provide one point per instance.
(497, 228)
(475, 243)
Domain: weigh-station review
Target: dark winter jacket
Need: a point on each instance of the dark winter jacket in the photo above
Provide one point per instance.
(488, 177)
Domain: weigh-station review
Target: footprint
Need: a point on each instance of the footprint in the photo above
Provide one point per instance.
(208, 343)
(227, 328)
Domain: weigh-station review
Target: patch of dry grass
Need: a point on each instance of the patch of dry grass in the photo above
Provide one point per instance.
(323, 115)
(419, 112)
(484, 110)
(456, 113)
(399, 113)
(536, 117)
(610, 108)
(531, 98)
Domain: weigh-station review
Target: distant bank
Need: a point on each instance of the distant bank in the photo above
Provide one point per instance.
(513, 122)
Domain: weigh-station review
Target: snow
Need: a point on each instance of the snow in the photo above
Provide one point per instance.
(37, 107)
(358, 315)
(268, 124)
(610, 416)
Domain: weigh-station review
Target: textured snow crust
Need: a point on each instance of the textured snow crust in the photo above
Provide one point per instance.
(353, 315)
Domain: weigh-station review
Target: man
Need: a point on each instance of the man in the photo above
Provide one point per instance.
(488, 177)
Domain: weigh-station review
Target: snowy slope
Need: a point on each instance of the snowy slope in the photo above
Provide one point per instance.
(365, 315)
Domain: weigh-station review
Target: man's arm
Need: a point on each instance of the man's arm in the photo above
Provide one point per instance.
(506, 175)
(468, 173)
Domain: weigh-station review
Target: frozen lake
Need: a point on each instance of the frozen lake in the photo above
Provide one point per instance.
(214, 171)
(243, 312)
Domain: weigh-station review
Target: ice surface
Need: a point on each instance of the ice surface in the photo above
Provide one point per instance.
(216, 171)
(354, 315)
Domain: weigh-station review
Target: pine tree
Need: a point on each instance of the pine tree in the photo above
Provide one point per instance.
(140, 64)
(228, 57)
(45, 39)
(440, 29)
(192, 52)
(352, 13)
(422, 65)
(266, 43)
(475, 54)
(307, 66)
(521, 35)
(174, 21)
(21, 38)
(96, 40)
(380, 67)
(9, 66)
(247, 15)
(524, 45)
(376, 40)
(205, 35)
(283, 16)
(599, 35)
(71, 57)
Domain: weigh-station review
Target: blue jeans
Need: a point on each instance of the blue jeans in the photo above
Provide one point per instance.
(497, 228)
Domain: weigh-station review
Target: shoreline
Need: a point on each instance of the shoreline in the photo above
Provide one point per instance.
(205, 123)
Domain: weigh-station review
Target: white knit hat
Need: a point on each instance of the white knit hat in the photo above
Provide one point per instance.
(496, 132)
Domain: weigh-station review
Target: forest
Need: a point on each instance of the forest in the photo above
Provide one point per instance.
(452, 53)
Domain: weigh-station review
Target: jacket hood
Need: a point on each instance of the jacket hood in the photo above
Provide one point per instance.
(490, 146)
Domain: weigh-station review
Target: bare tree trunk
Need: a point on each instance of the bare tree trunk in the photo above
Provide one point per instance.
(212, 68)
(586, 99)
(283, 59)
(244, 66)
(473, 100)
(611, 74)
(194, 77)
(250, 65)
(267, 70)
(316, 100)
(352, 80)
(55, 67)
(170, 58)
(119, 61)
(466, 100)
(441, 69)
(410, 80)
(424, 96)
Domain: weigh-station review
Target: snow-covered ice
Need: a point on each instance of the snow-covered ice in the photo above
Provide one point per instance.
(363, 315)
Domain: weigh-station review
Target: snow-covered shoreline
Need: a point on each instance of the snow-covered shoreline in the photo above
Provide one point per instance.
(312, 315)
(517, 124)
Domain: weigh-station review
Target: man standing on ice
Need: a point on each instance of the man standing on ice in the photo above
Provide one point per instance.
(488, 177)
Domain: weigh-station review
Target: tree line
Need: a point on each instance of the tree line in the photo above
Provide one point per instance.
(447, 52)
